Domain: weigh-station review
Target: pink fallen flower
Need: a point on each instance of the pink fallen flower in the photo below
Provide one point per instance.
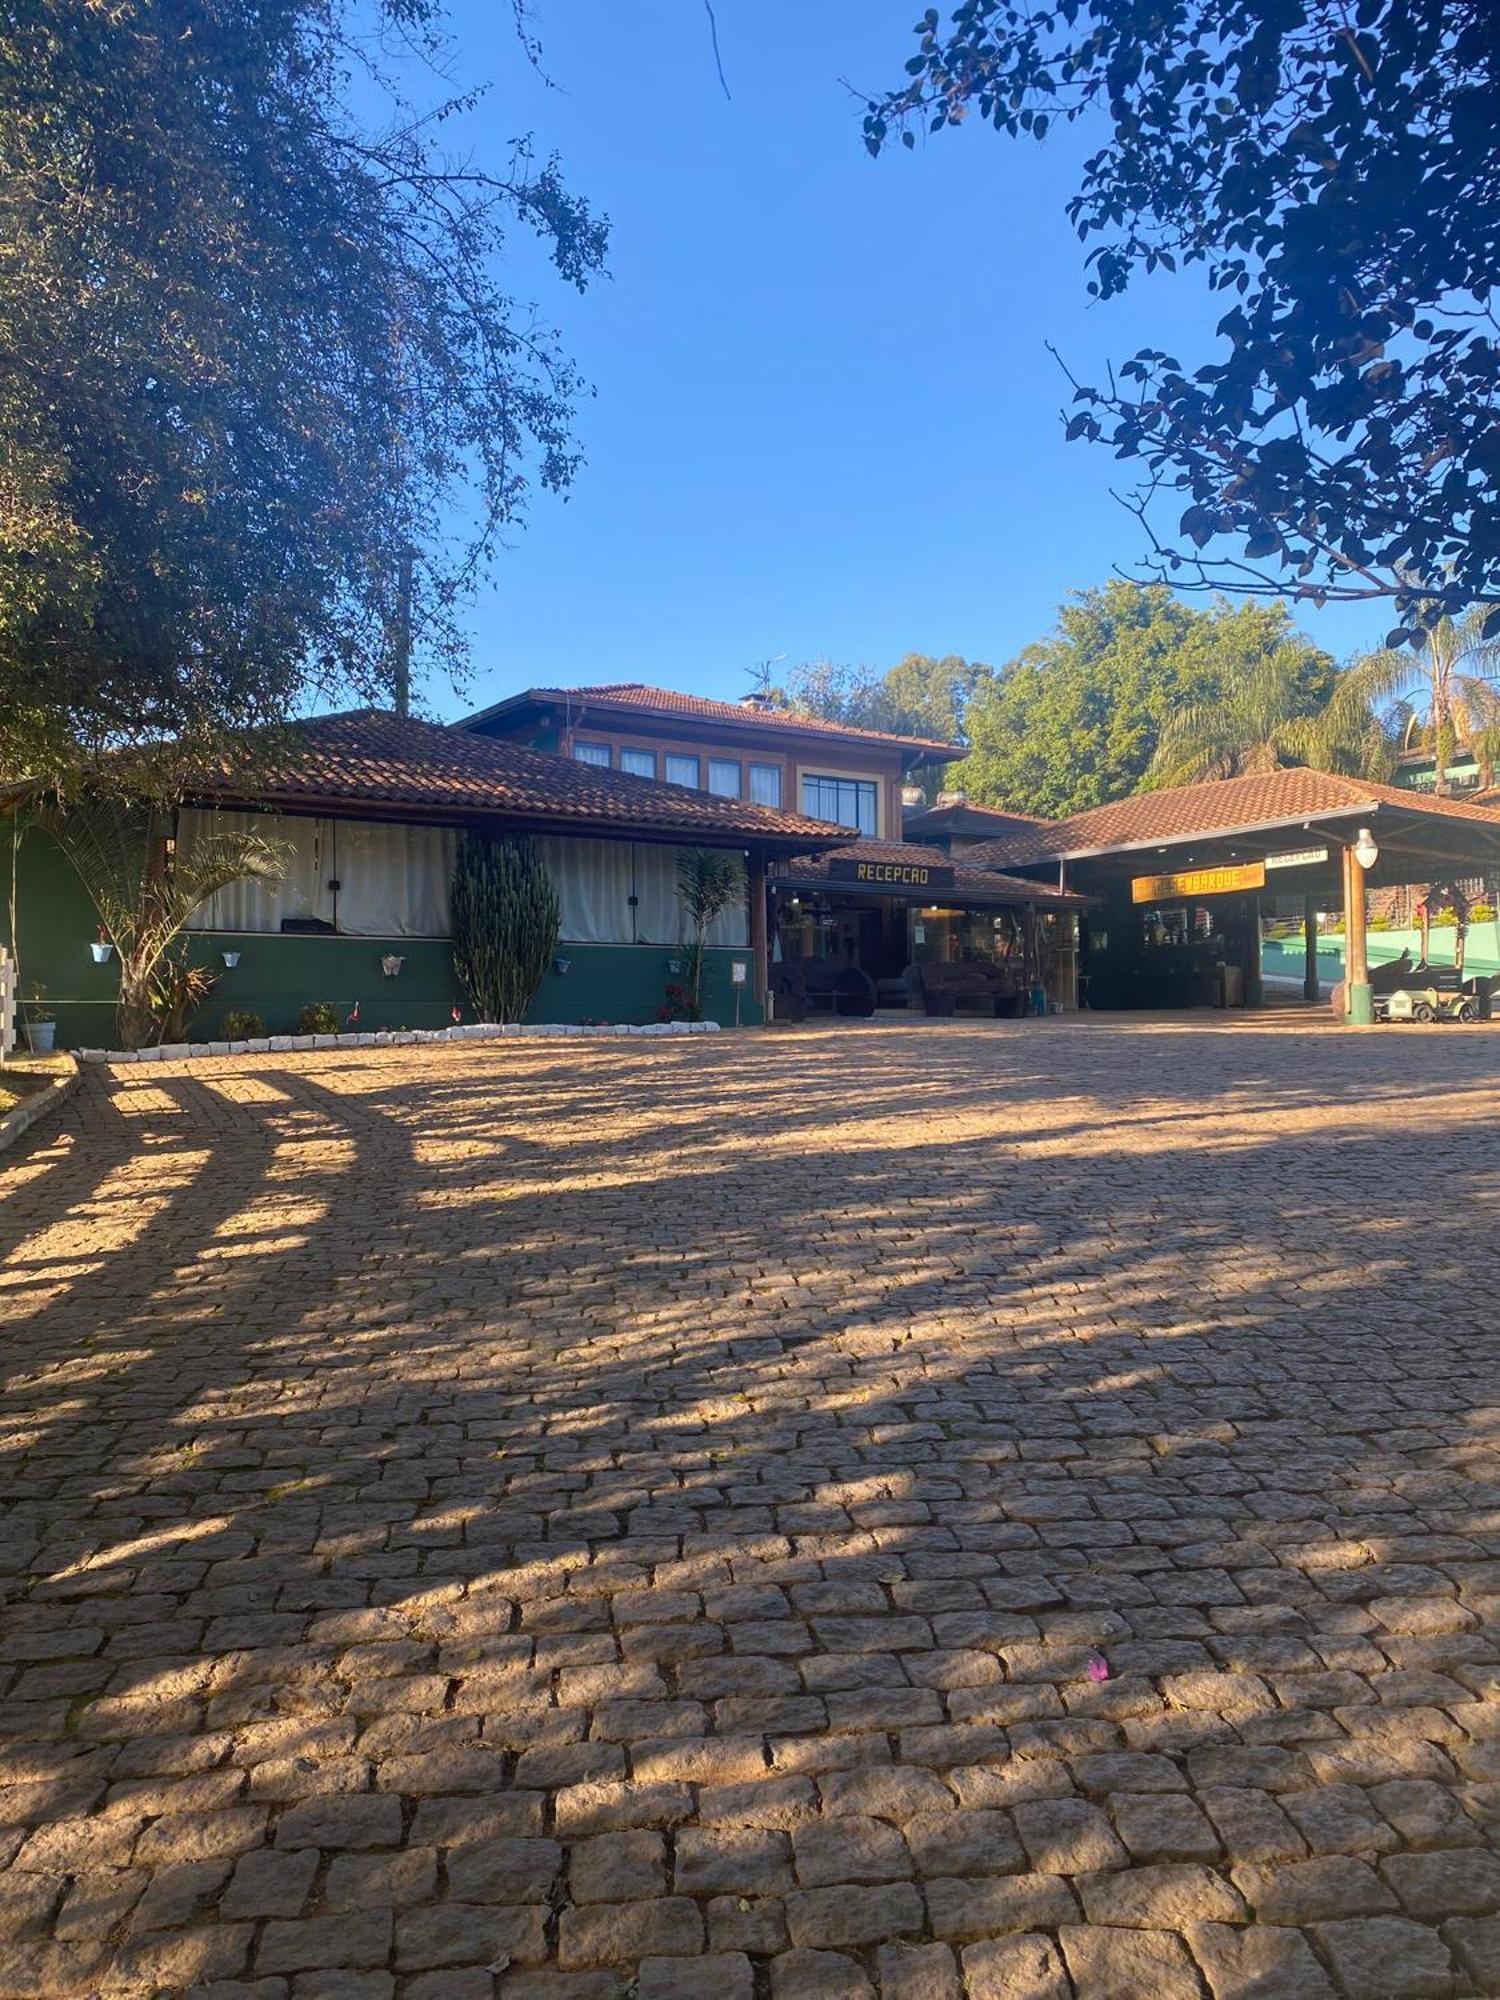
(1098, 1667)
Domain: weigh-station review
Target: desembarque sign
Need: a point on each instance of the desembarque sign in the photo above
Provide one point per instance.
(1198, 882)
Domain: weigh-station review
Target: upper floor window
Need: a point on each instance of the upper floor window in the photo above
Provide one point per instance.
(724, 777)
(592, 753)
(682, 770)
(765, 784)
(639, 763)
(844, 801)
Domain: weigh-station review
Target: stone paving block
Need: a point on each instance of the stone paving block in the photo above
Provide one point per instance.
(918, 1972)
(355, 1938)
(1165, 1897)
(1028, 1967)
(1129, 1964)
(1452, 1882)
(1258, 1962)
(1387, 1955)
(713, 1976)
(849, 1915)
(818, 1975)
(1068, 1837)
(616, 1933)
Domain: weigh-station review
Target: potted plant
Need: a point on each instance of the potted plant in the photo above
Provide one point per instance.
(101, 946)
(40, 1023)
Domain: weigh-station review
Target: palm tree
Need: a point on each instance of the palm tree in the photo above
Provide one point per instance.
(145, 894)
(1262, 722)
(1443, 699)
(707, 883)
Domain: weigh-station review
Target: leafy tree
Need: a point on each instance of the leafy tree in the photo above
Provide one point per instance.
(1264, 718)
(504, 919)
(1334, 171)
(919, 696)
(145, 894)
(255, 351)
(1442, 699)
(1075, 720)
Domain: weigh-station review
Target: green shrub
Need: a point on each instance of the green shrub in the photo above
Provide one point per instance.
(240, 1025)
(317, 1018)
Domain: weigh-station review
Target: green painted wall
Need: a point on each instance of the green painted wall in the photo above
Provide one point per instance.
(277, 976)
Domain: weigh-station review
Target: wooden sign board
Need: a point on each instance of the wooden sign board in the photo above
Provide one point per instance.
(1198, 882)
(889, 874)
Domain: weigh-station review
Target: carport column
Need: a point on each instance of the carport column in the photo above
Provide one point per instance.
(1309, 947)
(1255, 992)
(756, 888)
(1359, 1008)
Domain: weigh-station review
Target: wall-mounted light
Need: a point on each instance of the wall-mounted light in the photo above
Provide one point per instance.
(562, 965)
(1366, 853)
(391, 964)
(230, 958)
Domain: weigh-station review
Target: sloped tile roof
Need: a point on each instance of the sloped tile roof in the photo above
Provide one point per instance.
(668, 701)
(371, 757)
(981, 884)
(1222, 806)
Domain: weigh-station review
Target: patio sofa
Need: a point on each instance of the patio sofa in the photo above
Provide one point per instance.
(803, 986)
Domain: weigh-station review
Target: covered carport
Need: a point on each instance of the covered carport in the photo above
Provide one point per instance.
(1221, 852)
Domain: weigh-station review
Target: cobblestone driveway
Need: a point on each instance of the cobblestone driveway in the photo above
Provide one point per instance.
(518, 1521)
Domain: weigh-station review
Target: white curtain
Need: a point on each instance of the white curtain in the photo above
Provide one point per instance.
(659, 916)
(393, 880)
(592, 880)
(595, 880)
(260, 906)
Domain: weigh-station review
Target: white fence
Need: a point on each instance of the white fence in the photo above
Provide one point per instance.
(7, 1003)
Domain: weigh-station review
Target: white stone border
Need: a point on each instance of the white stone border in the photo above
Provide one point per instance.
(25, 1114)
(387, 1038)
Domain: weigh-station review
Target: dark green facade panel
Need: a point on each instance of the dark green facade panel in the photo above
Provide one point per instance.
(278, 975)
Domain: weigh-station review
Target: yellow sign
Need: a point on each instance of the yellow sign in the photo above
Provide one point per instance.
(1198, 882)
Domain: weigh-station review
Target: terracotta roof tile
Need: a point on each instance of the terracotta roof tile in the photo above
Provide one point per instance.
(668, 701)
(370, 757)
(981, 884)
(1225, 806)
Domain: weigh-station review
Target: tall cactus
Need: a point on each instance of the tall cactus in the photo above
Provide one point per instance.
(505, 920)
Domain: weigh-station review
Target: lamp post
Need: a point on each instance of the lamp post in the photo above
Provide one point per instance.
(1359, 1004)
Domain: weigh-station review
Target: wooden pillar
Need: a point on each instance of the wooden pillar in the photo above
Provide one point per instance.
(1310, 948)
(759, 959)
(1359, 1009)
(1254, 989)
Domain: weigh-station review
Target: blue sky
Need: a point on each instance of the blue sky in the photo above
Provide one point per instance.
(825, 420)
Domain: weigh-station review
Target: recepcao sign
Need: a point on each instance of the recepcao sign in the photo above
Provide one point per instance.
(890, 874)
(1198, 882)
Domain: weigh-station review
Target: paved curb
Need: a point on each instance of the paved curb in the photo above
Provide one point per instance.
(389, 1038)
(30, 1109)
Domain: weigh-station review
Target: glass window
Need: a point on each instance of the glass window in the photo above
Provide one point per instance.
(639, 763)
(682, 771)
(844, 801)
(765, 784)
(592, 753)
(724, 777)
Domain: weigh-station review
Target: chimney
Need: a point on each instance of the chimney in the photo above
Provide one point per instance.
(953, 798)
(758, 699)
